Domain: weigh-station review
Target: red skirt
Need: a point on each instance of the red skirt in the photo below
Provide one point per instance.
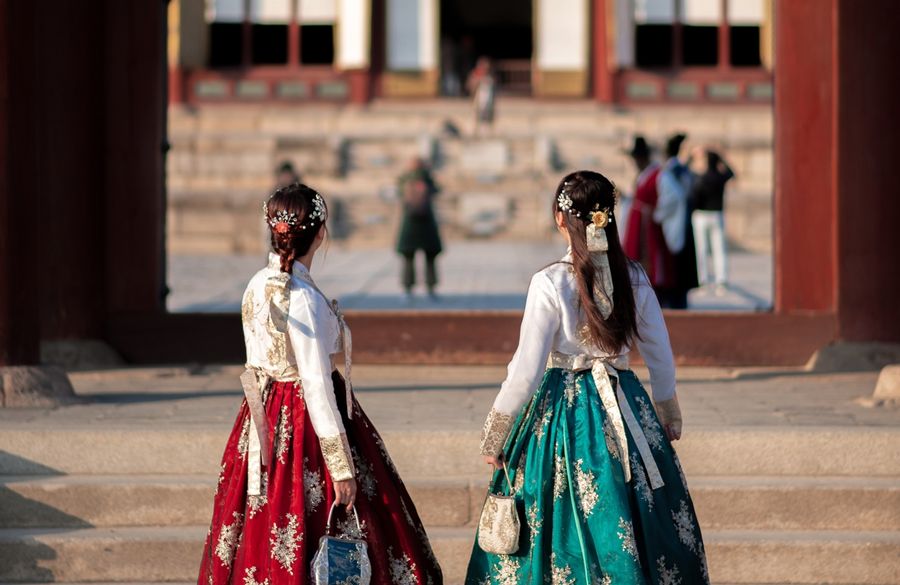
(271, 538)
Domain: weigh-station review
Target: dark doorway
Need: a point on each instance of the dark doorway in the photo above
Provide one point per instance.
(499, 29)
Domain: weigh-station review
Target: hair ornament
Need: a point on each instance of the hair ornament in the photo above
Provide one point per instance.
(283, 221)
(601, 218)
(563, 200)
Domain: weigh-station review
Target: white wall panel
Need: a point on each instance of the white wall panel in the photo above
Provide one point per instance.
(562, 38)
(353, 34)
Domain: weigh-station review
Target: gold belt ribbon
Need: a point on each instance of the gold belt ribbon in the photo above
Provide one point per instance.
(617, 408)
(255, 382)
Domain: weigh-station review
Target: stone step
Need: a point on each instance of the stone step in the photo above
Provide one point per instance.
(720, 451)
(757, 503)
(173, 554)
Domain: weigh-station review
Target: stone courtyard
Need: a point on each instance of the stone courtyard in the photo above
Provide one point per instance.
(795, 480)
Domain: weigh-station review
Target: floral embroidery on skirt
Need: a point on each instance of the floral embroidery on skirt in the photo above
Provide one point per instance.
(583, 524)
(271, 538)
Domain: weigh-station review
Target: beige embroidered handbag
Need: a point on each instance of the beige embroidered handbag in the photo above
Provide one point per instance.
(498, 528)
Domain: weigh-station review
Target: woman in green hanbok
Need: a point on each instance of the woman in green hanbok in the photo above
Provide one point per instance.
(600, 492)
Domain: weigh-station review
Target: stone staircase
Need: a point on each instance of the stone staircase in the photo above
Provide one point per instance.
(778, 505)
(222, 160)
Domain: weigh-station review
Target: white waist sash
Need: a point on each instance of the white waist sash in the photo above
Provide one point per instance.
(617, 408)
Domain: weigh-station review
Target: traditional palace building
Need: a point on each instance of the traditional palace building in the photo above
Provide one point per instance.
(614, 51)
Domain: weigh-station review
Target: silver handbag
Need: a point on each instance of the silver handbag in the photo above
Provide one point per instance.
(498, 528)
(341, 560)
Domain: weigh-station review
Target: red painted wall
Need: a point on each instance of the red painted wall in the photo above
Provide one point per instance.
(868, 173)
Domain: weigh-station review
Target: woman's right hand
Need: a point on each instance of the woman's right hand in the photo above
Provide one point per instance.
(345, 492)
(497, 462)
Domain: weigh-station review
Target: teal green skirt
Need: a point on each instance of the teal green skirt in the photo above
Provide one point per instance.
(582, 524)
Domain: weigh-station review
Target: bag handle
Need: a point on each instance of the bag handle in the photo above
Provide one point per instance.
(331, 512)
(506, 473)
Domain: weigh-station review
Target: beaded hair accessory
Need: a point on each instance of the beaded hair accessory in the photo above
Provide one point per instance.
(599, 217)
(283, 221)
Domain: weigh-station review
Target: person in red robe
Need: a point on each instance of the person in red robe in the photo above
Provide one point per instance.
(644, 240)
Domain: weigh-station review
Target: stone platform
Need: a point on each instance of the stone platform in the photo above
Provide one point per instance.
(795, 481)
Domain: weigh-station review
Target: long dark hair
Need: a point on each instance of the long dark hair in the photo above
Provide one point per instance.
(294, 240)
(588, 192)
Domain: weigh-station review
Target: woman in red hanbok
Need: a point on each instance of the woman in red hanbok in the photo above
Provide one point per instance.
(301, 442)
(644, 240)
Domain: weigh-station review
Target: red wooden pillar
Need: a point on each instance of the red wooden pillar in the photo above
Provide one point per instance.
(602, 71)
(247, 37)
(19, 287)
(724, 38)
(294, 37)
(805, 156)
(677, 36)
(866, 144)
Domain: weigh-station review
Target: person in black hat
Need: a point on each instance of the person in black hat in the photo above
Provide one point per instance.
(673, 214)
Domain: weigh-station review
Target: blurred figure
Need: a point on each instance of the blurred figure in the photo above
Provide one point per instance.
(644, 240)
(419, 229)
(482, 85)
(286, 175)
(673, 213)
(708, 219)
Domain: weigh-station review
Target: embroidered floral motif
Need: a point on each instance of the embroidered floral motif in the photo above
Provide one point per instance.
(496, 429)
(560, 483)
(284, 543)
(651, 427)
(609, 437)
(626, 535)
(519, 481)
(403, 570)
(336, 451)
(229, 537)
(347, 528)
(667, 576)
(221, 477)
(507, 571)
(247, 308)
(383, 449)
(684, 525)
(560, 575)
(249, 578)
(364, 475)
(640, 481)
(313, 487)
(283, 435)
(541, 423)
(533, 517)
(597, 579)
(244, 440)
(257, 502)
(571, 387)
(587, 492)
(276, 325)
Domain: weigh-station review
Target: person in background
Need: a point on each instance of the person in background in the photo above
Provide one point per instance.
(286, 175)
(419, 228)
(708, 219)
(644, 241)
(482, 85)
(673, 213)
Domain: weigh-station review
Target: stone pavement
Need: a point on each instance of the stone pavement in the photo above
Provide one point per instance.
(474, 275)
(794, 479)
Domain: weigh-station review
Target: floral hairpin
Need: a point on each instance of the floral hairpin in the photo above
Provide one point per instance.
(283, 220)
(564, 202)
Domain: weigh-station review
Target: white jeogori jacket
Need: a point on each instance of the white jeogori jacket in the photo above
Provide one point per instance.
(553, 324)
(291, 334)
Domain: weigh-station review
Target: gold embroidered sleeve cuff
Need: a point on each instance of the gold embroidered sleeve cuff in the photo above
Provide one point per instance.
(670, 413)
(336, 451)
(496, 429)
